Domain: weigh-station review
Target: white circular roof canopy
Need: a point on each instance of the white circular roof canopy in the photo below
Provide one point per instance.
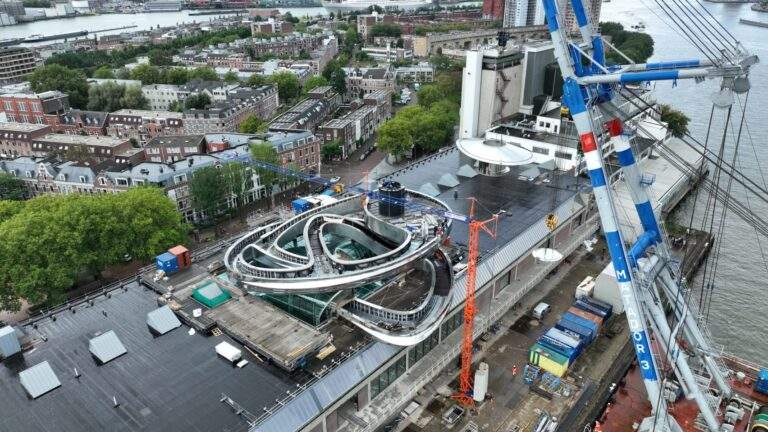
(494, 152)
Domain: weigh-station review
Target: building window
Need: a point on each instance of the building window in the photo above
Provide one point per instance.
(82, 179)
(563, 155)
(122, 181)
(180, 178)
(423, 348)
(22, 106)
(387, 377)
(540, 150)
(8, 105)
(451, 324)
(28, 174)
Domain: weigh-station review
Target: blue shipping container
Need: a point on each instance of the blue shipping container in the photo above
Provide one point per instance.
(167, 262)
(586, 307)
(761, 384)
(300, 205)
(582, 322)
(572, 341)
(559, 348)
(607, 308)
(586, 334)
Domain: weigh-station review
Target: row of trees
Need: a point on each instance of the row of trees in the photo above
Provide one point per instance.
(91, 60)
(50, 242)
(112, 97)
(427, 126)
(212, 189)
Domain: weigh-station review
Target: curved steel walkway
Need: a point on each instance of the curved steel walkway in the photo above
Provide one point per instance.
(346, 244)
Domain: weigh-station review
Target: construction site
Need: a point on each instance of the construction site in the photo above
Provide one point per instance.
(467, 290)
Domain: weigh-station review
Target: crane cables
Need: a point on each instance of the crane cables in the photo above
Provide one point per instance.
(740, 178)
(737, 207)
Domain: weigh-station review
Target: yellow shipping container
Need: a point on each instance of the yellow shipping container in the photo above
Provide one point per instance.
(552, 367)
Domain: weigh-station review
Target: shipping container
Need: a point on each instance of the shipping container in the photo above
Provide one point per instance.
(167, 262)
(603, 306)
(548, 360)
(182, 255)
(761, 383)
(570, 353)
(583, 327)
(300, 205)
(580, 304)
(586, 315)
(570, 340)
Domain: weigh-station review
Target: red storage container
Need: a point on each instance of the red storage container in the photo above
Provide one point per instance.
(586, 315)
(182, 255)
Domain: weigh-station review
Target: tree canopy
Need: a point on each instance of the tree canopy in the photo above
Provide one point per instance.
(336, 76)
(211, 187)
(331, 149)
(104, 72)
(11, 188)
(112, 97)
(637, 46)
(265, 152)
(47, 242)
(314, 82)
(288, 86)
(197, 101)
(204, 73)
(252, 125)
(676, 120)
(57, 77)
(231, 77)
(394, 137)
(386, 29)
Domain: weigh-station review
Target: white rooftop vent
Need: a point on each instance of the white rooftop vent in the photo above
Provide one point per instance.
(429, 189)
(39, 380)
(9, 342)
(493, 156)
(448, 180)
(106, 347)
(162, 320)
(547, 255)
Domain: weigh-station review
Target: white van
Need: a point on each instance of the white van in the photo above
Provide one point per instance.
(541, 310)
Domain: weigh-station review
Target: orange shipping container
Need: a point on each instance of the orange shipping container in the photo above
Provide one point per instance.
(182, 255)
(586, 315)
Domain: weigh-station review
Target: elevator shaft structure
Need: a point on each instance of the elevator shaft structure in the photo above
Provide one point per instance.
(589, 87)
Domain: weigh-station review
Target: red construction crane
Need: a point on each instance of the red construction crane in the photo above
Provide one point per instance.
(464, 396)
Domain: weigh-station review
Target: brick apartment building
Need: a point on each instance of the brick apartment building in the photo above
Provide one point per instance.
(16, 138)
(40, 108)
(75, 121)
(169, 149)
(143, 125)
(227, 116)
(94, 147)
(361, 81)
(353, 129)
(310, 112)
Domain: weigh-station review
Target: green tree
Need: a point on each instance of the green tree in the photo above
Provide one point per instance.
(238, 181)
(257, 80)
(252, 125)
(386, 29)
(265, 152)
(197, 101)
(9, 209)
(290, 18)
(176, 106)
(11, 188)
(394, 138)
(147, 74)
(288, 86)
(314, 82)
(133, 98)
(336, 76)
(160, 57)
(351, 39)
(331, 149)
(64, 79)
(105, 97)
(177, 76)
(104, 72)
(81, 234)
(231, 77)
(429, 94)
(203, 73)
(206, 188)
(676, 121)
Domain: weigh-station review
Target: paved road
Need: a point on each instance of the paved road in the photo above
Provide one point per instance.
(352, 170)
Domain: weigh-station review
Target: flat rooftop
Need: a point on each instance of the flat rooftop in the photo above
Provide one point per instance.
(147, 113)
(525, 202)
(167, 383)
(89, 140)
(21, 127)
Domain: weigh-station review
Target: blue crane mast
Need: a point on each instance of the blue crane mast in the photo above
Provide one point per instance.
(645, 270)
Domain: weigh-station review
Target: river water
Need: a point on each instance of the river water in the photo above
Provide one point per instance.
(142, 21)
(740, 298)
